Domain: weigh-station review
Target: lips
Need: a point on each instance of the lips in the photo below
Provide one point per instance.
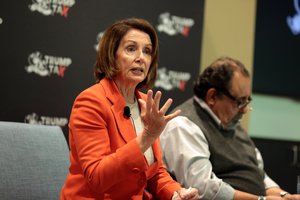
(138, 70)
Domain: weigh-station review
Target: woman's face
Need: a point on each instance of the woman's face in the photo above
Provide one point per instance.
(133, 57)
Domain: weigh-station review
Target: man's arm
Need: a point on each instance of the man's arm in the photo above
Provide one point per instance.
(239, 195)
(186, 154)
(272, 188)
(269, 183)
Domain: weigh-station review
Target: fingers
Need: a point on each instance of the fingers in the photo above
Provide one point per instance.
(157, 98)
(142, 106)
(152, 106)
(149, 100)
(172, 115)
(154, 103)
(189, 194)
(166, 106)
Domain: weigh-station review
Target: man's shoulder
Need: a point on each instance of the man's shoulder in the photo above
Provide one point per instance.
(184, 105)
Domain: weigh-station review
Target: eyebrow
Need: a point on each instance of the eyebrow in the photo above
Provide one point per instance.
(129, 40)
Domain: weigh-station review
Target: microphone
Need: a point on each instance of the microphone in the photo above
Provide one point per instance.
(127, 112)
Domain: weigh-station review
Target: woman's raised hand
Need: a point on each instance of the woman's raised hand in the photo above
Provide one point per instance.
(155, 118)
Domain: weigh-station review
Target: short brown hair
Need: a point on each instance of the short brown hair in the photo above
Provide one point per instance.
(218, 75)
(105, 65)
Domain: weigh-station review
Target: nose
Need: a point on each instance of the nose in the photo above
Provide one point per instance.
(140, 57)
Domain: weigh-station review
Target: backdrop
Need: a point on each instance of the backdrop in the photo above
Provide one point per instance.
(48, 48)
(277, 46)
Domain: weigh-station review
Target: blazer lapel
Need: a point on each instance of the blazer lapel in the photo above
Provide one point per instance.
(125, 126)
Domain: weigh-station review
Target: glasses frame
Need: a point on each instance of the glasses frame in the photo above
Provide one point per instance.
(240, 104)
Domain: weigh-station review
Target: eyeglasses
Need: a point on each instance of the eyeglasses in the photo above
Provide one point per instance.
(239, 102)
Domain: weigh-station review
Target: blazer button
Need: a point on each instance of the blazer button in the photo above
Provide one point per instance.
(135, 170)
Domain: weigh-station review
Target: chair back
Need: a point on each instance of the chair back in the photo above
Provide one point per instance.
(34, 161)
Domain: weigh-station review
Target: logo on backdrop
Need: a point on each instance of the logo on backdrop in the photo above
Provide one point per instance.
(51, 7)
(98, 38)
(173, 25)
(170, 79)
(46, 65)
(34, 118)
(294, 21)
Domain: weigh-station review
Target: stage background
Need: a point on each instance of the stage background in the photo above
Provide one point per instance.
(277, 46)
(71, 32)
(48, 49)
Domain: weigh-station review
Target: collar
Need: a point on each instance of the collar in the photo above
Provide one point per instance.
(205, 107)
(113, 93)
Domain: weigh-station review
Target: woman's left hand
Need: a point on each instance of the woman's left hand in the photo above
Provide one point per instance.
(186, 194)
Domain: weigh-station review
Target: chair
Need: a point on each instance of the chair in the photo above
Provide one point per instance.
(34, 161)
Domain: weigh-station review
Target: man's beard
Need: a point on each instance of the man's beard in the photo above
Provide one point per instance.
(235, 121)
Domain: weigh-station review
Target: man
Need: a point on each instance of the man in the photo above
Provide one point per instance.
(207, 148)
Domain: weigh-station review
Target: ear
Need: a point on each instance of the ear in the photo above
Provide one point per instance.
(211, 96)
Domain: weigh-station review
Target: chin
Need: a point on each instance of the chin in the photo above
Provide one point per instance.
(138, 79)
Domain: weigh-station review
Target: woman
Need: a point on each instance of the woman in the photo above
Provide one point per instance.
(115, 152)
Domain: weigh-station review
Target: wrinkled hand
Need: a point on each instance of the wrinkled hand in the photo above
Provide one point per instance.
(274, 197)
(292, 197)
(153, 117)
(186, 194)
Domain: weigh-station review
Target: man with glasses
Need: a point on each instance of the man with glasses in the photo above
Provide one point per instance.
(207, 148)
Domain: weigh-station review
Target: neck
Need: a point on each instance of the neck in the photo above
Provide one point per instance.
(128, 91)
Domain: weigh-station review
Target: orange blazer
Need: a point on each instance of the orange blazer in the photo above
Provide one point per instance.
(105, 159)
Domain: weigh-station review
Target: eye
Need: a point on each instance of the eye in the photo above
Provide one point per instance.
(130, 48)
(244, 101)
(240, 102)
(147, 51)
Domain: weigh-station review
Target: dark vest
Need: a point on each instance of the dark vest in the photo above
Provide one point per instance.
(232, 154)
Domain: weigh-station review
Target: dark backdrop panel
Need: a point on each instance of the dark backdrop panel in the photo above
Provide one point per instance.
(48, 51)
(277, 47)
